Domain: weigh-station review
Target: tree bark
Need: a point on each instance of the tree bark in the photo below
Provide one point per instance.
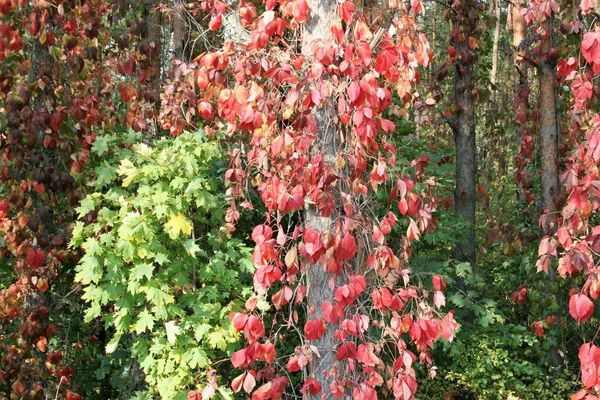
(180, 32)
(548, 151)
(323, 14)
(152, 40)
(495, 46)
(548, 134)
(519, 29)
(463, 126)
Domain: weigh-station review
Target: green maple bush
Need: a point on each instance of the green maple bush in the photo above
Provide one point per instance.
(156, 269)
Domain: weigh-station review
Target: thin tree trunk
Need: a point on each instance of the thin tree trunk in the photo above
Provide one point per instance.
(495, 46)
(548, 148)
(463, 125)
(180, 32)
(519, 29)
(153, 41)
(322, 15)
(548, 134)
(34, 300)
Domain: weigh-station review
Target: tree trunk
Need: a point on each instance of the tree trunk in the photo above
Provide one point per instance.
(152, 41)
(180, 33)
(463, 125)
(519, 29)
(548, 152)
(35, 300)
(495, 46)
(548, 134)
(323, 13)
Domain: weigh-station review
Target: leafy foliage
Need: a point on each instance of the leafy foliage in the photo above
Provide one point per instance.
(156, 268)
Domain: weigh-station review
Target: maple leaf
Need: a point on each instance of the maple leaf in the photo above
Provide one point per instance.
(178, 224)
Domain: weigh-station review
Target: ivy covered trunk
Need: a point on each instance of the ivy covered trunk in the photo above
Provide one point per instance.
(548, 132)
(322, 16)
(463, 126)
(548, 147)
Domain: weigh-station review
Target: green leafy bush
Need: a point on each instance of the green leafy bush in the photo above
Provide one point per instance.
(157, 269)
(496, 363)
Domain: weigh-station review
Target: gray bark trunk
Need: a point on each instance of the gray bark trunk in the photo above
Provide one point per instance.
(548, 142)
(548, 136)
(322, 15)
(464, 136)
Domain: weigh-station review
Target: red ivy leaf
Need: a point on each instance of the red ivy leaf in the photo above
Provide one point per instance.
(311, 386)
(35, 258)
(313, 330)
(581, 307)
(346, 10)
(215, 22)
(346, 350)
(590, 47)
(300, 10)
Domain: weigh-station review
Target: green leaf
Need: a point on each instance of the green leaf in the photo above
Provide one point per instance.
(141, 271)
(112, 345)
(129, 171)
(217, 340)
(86, 206)
(201, 331)
(192, 247)
(88, 270)
(172, 331)
(145, 321)
(101, 145)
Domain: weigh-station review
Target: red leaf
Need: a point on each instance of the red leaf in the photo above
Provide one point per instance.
(590, 47)
(589, 357)
(439, 282)
(73, 396)
(313, 330)
(215, 22)
(581, 307)
(347, 247)
(332, 313)
(353, 92)
(346, 350)
(245, 381)
(311, 386)
(385, 61)
(239, 320)
(254, 329)
(35, 258)
(538, 328)
(240, 359)
(345, 11)
(300, 10)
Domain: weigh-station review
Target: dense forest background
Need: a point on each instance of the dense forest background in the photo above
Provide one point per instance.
(299, 199)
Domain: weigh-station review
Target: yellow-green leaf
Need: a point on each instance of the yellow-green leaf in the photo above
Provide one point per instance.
(178, 224)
